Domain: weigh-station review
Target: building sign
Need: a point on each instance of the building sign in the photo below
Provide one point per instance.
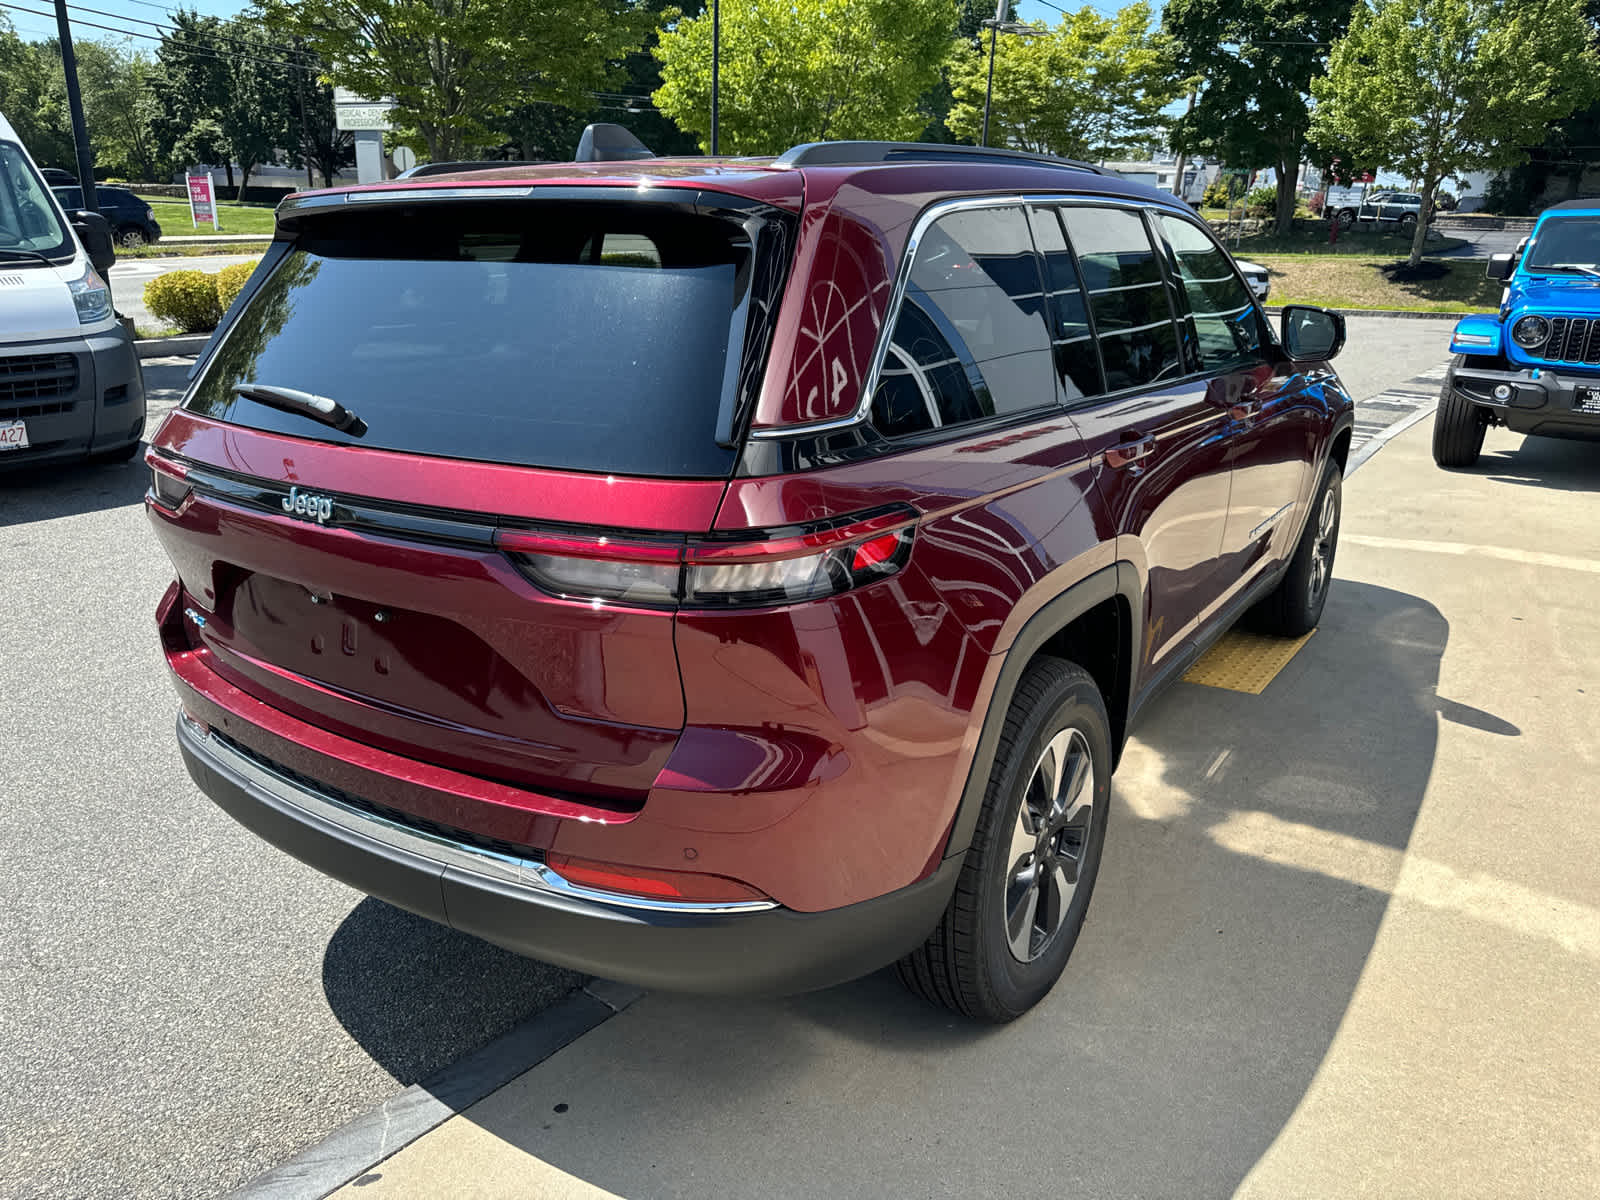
(358, 113)
(203, 201)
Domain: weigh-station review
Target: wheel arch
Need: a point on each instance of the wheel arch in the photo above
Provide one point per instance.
(1093, 623)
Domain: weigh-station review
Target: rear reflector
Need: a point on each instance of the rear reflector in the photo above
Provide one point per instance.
(649, 881)
(169, 481)
(756, 569)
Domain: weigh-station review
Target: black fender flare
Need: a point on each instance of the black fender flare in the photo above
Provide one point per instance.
(1119, 579)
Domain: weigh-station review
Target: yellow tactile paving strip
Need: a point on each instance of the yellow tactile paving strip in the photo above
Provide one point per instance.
(1244, 662)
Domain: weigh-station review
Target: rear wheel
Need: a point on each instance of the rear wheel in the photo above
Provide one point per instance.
(1408, 224)
(1295, 606)
(130, 236)
(1458, 429)
(1024, 887)
(1347, 218)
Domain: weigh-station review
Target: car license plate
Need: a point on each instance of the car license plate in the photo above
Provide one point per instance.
(13, 435)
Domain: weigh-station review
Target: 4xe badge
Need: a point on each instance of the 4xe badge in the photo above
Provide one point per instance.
(308, 504)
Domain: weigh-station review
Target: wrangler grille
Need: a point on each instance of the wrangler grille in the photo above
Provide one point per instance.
(30, 384)
(1572, 339)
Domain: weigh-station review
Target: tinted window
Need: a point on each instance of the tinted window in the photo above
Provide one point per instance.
(1566, 241)
(1223, 323)
(71, 198)
(1127, 295)
(1077, 361)
(970, 340)
(585, 336)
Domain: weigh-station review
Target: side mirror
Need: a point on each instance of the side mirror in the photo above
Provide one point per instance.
(1311, 334)
(1501, 266)
(94, 231)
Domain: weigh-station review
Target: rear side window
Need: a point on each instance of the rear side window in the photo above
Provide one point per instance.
(1225, 326)
(1077, 362)
(1127, 295)
(585, 336)
(970, 339)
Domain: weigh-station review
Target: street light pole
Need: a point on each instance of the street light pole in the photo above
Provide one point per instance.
(716, 55)
(80, 134)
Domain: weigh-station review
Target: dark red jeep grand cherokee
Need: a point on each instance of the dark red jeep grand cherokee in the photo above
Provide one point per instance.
(732, 575)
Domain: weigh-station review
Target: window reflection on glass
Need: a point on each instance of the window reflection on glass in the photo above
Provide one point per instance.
(1077, 361)
(970, 339)
(1223, 322)
(1127, 295)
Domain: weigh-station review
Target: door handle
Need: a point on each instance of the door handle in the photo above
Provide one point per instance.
(1128, 452)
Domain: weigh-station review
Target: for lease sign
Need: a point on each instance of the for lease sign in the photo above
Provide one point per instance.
(203, 201)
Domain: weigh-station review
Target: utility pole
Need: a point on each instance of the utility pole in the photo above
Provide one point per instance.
(988, 88)
(80, 134)
(716, 56)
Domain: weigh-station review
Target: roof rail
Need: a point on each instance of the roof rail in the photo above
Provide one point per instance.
(838, 154)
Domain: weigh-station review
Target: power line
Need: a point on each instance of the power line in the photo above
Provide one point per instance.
(170, 42)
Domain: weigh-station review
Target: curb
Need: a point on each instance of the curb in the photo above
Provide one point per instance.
(1404, 314)
(366, 1140)
(215, 238)
(166, 347)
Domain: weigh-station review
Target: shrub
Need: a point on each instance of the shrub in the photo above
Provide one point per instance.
(231, 281)
(1262, 201)
(187, 299)
(1216, 195)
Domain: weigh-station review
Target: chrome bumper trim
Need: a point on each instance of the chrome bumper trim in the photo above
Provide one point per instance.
(489, 864)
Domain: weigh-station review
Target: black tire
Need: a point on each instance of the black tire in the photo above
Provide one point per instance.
(1408, 224)
(1347, 218)
(968, 963)
(130, 236)
(1458, 429)
(1294, 607)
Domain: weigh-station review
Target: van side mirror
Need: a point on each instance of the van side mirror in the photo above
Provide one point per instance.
(1501, 266)
(1311, 334)
(94, 231)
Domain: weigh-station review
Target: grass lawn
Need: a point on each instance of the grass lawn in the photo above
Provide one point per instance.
(173, 217)
(190, 249)
(1366, 242)
(1352, 281)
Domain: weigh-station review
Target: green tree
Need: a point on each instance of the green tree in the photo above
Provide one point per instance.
(191, 76)
(257, 95)
(1093, 87)
(455, 66)
(119, 107)
(797, 71)
(1435, 88)
(30, 100)
(1253, 62)
(936, 103)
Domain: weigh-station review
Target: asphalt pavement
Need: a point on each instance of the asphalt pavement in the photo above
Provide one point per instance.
(181, 1006)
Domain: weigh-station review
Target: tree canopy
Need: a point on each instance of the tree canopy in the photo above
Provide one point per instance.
(452, 65)
(1092, 87)
(1436, 88)
(797, 71)
(1252, 63)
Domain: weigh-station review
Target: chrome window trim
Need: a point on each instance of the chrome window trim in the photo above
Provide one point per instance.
(488, 864)
(919, 229)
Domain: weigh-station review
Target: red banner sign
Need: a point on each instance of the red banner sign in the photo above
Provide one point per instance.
(203, 202)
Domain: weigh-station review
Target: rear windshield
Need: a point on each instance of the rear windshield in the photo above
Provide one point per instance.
(589, 337)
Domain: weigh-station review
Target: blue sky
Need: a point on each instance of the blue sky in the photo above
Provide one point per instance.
(134, 17)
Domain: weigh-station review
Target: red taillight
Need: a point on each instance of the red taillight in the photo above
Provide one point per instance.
(781, 567)
(652, 882)
(169, 481)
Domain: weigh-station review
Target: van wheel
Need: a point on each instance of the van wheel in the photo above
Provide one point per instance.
(131, 237)
(1294, 607)
(1458, 429)
(1024, 888)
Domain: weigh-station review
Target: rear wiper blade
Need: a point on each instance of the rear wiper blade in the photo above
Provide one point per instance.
(305, 404)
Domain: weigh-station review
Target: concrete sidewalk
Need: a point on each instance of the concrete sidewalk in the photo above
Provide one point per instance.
(1346, 940)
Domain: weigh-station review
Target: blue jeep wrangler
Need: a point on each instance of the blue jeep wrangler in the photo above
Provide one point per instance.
(1533, 367)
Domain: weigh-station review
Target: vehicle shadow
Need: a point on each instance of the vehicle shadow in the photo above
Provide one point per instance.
(416, 995)
(71, 489)
(1253, 846)
(1567, 466)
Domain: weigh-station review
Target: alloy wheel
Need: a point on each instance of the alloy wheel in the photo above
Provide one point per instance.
(1322, 545)
(1048, 844)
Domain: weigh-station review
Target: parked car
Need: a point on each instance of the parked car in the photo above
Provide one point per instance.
(1533, 367)
(70, 383)
(740, 579)
(132, 220)
(1257, 276)
(56, 177)
(1401, 209)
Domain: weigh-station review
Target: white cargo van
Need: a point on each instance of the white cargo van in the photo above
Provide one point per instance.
(70, 385)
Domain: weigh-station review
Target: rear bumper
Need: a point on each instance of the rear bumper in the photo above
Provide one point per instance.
(748, 948)
(1546, 404)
